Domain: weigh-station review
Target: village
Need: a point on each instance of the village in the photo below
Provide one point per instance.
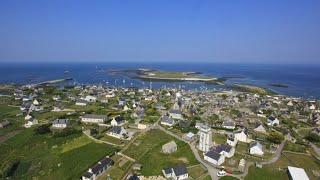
(99, 132)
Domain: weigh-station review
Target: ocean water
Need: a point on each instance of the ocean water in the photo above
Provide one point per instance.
(303, 80)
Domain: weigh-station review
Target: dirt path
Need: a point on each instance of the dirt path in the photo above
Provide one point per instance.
(8, 136)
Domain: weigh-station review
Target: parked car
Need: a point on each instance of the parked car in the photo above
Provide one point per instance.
(221, 173)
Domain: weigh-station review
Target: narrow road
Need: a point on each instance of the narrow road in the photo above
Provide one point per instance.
(277, 155)
(211, 170)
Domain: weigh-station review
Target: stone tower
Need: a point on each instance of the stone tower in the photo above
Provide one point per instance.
(205, 141)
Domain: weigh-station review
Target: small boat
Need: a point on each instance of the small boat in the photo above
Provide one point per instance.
(66, 72)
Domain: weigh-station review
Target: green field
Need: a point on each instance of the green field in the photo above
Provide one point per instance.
(46, 157)
(146, 150)
(277, 169)
(196, 171)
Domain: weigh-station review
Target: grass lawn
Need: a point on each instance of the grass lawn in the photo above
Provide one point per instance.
(46, 157)
(242, 147)
(272, 171)
(207, 177)
(289, 146)
(146, 150)
(114, 172)
(111, 139)
(219, 138)
(196, 171)
(304, 132)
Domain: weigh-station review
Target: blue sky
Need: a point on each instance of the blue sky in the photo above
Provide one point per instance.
(259, 31)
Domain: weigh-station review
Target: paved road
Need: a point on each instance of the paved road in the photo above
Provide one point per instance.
(315, 148)
(277, 155)
(211, 170)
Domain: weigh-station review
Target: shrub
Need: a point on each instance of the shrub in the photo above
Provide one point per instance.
(313, 137)
(275, 137)
(66, 132)
(43, 129)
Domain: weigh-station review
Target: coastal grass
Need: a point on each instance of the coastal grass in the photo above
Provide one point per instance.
(147, 151)
(253, 89)
(47, 157)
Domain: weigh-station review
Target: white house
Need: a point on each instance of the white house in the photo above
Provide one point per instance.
(117, 121)
(165, 120)
(260, 128)
(90, 98)
(256, 148)
(176, 173)
(93, 118)
(241, 135)
(28, 117)
(60, 123)
(97, 169)
(295, 173)
(272, 121)
(81, 102)
(31, 122)
(126, 108)
(226, 150)
(110, 94)
(56, 98)
(175, 114)
(37, 101)
(312, 107)
(260, 114)
(229, 125)
(232, 142)
(118, 132)
(214, 158)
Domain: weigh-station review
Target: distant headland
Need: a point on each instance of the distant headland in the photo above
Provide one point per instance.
(168, 76)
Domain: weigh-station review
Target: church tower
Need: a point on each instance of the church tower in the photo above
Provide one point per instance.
(205, 142)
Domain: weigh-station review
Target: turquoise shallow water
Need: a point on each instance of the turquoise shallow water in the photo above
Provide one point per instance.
(303, 80)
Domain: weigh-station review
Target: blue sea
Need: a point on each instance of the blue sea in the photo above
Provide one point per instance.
(302, 80)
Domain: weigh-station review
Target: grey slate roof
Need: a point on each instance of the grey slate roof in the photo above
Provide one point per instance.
(119, 119)
(60, 121)
(134, 177)
(223, 147)
(81, 101)
(213, 155)
(180, 170)
(116, 129)
(98, 166)
(87, 174)
(94, 116)
(166, 119)
(175, 111)
(228, 123)
(256, 143)
(167, 170)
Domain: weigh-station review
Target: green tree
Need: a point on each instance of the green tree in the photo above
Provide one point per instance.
(43, 129)
(313, 137)
(275, 137)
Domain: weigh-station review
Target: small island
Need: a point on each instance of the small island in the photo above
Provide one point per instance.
(279, 85)
(168, 76)
(253, 89)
